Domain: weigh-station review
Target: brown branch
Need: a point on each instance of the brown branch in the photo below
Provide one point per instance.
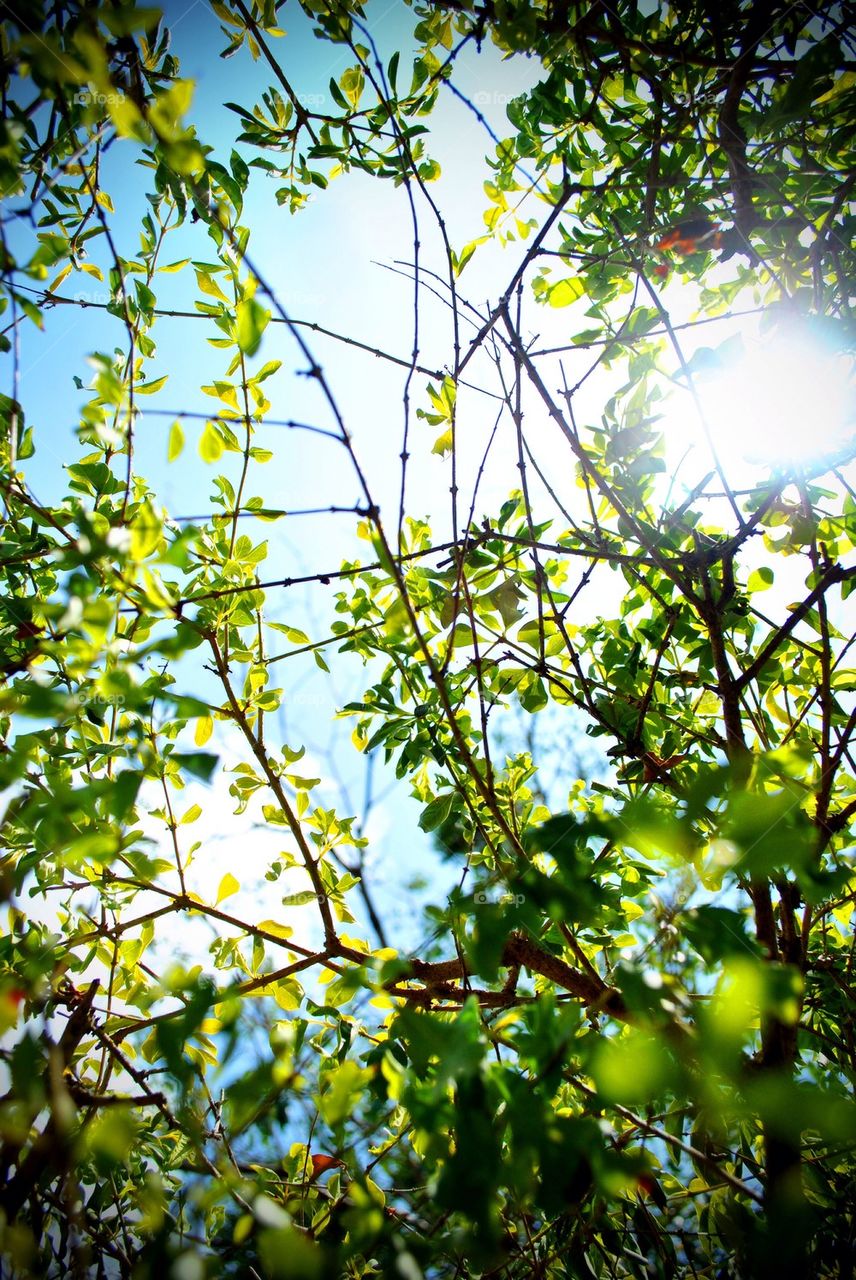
(519, 951)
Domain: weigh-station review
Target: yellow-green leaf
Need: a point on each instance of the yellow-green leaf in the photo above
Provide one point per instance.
(211, 445)
(443, 443)
(276, 930)
(169, 106)
(149, 388)
(204, 729)
(344, 1086)
(564, 292)
(352, 84)
(223, 391)
(760, 579)
(288, 994)
(176, 442)
(243, 1228)
(146, 531)
(210, 286)
(55, 284)
(228, 886)
(127, 118)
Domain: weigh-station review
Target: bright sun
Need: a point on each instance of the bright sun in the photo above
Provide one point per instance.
(779, 400)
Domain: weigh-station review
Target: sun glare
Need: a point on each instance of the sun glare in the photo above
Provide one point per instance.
(781, 399)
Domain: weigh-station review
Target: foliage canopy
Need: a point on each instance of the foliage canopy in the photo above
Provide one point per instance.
(627, 1045)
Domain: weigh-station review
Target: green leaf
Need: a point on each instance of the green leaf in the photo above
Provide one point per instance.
(198, 763)
(123, 22)
(532, 693)
(146, 300)
(506, 599)
(436, 813)
(252, 319)
(716, 932)
(632, 1068)
(342, 1089)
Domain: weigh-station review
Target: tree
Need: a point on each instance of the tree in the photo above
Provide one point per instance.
(626, 1048)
